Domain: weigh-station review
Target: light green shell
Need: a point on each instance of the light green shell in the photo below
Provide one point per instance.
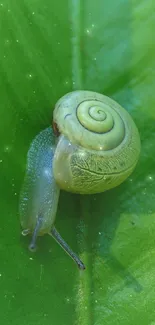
(99, 145)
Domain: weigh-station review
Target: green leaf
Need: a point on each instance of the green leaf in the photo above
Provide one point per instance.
(48, 49)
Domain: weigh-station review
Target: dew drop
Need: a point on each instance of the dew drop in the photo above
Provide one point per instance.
(7, 149)
(7, 42)
(149, 178)
(67, 300)
(29, 76)
(144, 191)
(88, 31)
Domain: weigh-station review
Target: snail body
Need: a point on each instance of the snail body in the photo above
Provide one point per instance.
(95, 147)
(40, 193)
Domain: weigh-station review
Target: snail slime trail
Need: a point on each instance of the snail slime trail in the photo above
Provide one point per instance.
(40, 193)
(95, 147)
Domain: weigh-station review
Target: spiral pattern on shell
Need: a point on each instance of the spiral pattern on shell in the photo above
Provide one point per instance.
(98, 146)
(91, 120)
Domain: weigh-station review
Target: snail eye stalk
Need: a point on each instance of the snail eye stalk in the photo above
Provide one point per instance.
(55, 234)
(32, 246)
(55, 129)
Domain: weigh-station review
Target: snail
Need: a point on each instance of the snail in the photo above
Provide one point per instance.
(94, 146)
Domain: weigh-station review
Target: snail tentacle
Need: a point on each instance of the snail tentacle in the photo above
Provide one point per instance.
(55, 234)
(32, 246)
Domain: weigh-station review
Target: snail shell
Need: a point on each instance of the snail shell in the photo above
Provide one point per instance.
(98, 146)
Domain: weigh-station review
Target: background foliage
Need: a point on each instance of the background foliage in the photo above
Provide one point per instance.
(46, 50)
